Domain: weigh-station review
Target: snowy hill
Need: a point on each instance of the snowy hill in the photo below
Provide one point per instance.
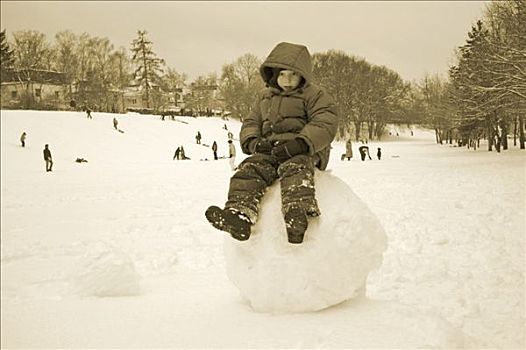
(116, 252)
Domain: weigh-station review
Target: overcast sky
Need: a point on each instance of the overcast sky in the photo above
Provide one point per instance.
(197, 38)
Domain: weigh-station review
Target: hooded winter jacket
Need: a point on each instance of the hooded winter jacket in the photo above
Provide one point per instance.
(306, 112)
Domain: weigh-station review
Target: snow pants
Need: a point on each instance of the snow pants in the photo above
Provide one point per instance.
(257, 172)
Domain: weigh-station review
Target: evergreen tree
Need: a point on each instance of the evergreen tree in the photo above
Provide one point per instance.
(149, 66)
(7, 58)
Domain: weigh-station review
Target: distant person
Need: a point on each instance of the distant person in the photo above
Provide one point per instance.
(198, 138)
(177, 153)
(182, 154)
(88, 113)
(23, 139)
(364, 152)
(379, 153)
(232, 154)
(348, 150)
(411, 132)
(48, 158)
(225, 127)
(214, 149)
(115, 123)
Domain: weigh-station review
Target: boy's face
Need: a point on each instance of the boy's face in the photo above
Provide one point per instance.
(288, 80)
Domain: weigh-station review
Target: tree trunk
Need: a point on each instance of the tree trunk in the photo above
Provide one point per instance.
(521, 131)
(379, 130)
(489, 128)
(358, 129)
(437, 136)
(515, 122)
(504, 136)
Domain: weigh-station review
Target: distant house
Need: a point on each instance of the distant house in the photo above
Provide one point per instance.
(96, 97)
(34, 88)
(134, 99)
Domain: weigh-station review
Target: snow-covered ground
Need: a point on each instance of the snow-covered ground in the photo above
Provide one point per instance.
(116, 252)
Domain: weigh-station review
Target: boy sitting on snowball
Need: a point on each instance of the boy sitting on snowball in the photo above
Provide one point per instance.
(287, 134)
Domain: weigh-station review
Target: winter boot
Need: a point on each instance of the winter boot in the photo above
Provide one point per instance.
(229, 220)
(296, 223)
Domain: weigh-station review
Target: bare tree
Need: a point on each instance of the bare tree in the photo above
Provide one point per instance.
(32, 51)
(240, 84)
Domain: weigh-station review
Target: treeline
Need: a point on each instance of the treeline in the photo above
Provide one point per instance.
(369, 96)
(91, 64)
(485, 93)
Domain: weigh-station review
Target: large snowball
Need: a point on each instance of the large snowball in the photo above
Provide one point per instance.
(340, 248)
(105, 271)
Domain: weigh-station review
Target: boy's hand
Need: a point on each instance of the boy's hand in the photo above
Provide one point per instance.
(260, 145)
(289, 149)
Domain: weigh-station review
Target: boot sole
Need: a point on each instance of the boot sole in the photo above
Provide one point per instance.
(228, 222)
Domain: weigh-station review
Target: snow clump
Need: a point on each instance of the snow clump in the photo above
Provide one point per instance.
(340, 248)
(105, 271)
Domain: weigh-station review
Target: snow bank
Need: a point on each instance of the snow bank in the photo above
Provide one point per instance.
(105, 271)
(340, 248)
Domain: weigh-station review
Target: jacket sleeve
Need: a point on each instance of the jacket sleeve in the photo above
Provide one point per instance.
(323, 121)
(251, 127)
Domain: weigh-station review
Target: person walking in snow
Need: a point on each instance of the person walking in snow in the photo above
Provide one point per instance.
(348, 150)
(88, 113)
(23, 139)
(214, 149)
(115, 123)
(379, 153)
(232, 155)
(287, 135)
(198, 138)
(48, 158)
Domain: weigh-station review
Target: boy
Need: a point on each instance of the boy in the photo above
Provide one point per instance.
(287, 135)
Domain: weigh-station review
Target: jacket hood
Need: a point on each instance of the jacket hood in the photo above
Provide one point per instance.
(287, 56)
